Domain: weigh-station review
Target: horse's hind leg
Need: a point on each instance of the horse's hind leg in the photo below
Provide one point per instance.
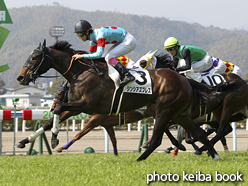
(186, 122)
(221, 134)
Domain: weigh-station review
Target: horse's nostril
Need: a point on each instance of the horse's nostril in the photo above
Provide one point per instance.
(19, 78)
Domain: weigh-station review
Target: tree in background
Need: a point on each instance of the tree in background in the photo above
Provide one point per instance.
(56, 84)
(2, 84)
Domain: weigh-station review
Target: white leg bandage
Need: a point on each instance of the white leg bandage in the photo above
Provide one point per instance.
(55, 128)
(33, 136)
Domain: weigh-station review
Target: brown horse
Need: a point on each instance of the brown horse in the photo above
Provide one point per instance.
(92, 92)
(114, 120)
(163, 61)
(241, 101)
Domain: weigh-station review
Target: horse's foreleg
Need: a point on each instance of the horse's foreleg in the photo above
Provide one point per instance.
(55, 130)
(93, 122)
(72, 108)
(111, 133)
(159, 127)
(173, 140)
(33, 136)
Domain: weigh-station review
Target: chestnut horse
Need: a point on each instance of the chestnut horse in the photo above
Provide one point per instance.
(91, 91)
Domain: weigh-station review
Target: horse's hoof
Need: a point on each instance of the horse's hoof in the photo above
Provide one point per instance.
(181, 147)
(59, 149)
(20, 145)
(168, 150)
(115, 152)
(227, 151)
(197, 152)
(145, 145)
(216, 157)
(54, 143)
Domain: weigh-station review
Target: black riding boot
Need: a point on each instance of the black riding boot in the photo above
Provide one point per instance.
(126, 76)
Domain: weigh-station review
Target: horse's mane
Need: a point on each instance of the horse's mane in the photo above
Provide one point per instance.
(66, 47)
(165, 58)
(163, 61)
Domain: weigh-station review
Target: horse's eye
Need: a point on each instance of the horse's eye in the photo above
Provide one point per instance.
(34, 58)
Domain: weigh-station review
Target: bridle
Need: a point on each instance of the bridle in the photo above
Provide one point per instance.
(149, 62)
(34, 69)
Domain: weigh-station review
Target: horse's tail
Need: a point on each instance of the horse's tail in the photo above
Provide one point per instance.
(203, 93)
(206, 94)
(230, 85)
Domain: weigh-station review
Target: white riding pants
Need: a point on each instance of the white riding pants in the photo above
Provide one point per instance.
(237, 70)
(126, 46)
(198, 67)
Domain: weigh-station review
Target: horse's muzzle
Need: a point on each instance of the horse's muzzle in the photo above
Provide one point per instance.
(22, 80)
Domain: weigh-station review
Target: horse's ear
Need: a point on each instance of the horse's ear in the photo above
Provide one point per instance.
(44, 44)
(154, 53)
(39, 46)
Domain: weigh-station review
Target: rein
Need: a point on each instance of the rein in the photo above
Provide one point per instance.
(34, 70)
(72, 59)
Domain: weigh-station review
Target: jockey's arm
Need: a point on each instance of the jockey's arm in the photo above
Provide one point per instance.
(96, 50)
(174, 63)
(187, 58)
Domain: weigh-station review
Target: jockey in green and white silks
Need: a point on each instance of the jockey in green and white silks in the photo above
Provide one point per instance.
(196, 59)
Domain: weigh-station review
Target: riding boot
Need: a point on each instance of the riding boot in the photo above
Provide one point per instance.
(126, 76)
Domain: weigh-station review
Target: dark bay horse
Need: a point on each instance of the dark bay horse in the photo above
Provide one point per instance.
(114, 120)
(231, 104)
(108, 123)
(162, 61)
(91, 91)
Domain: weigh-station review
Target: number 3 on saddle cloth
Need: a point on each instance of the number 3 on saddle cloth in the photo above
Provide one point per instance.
(141, 85)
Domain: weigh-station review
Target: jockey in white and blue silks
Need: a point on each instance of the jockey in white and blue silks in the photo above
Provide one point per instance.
(123, 43)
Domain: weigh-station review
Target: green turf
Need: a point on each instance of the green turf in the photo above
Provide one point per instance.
(107, 169)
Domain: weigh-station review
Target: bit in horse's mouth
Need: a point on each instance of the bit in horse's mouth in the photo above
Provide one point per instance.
(22, 81)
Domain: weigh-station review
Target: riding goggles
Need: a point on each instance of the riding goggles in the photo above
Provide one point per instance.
(80, 35)
(170, 49)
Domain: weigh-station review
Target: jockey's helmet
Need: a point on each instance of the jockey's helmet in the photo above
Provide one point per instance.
(82, 26)
(170, 42)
